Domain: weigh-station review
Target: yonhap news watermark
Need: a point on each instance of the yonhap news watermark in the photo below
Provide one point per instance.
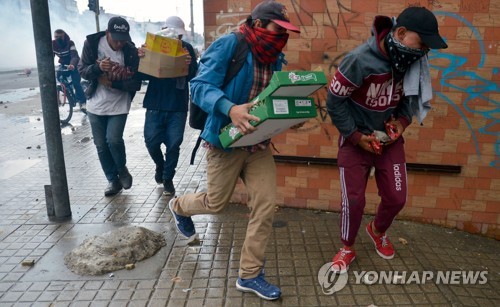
(331, 281)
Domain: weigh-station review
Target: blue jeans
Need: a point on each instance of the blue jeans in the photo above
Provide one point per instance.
(167, 128)
(107, 131)
(76, 79)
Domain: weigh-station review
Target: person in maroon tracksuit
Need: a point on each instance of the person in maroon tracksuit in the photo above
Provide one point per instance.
(366, 101)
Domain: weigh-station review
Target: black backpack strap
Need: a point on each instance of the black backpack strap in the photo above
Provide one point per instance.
(239, 57)
(195, 149)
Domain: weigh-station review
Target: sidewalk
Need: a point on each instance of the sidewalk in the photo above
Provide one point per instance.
(201, 275)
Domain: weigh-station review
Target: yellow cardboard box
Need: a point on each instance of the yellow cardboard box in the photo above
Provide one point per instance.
(158, 43)
(165, 57)
(161, 65)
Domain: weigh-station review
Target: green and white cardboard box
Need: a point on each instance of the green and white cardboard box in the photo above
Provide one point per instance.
(276, 113)
(293, 84)
(282, 104)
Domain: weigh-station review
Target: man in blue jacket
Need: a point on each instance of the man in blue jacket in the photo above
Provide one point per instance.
(166, 103)
(265, 31)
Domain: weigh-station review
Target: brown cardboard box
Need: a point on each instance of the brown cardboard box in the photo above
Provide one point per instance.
(161, 65)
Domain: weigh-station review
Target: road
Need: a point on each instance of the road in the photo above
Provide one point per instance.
(19, 94)
(10, 80)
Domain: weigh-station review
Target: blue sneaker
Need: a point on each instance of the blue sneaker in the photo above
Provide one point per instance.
(259, 286)
(184, 224)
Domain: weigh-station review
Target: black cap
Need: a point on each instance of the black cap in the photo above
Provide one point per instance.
(276, 12)
(422, 21)
(119, 29)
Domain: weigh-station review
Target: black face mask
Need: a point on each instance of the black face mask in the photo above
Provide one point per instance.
(60, 41)
(400, 55)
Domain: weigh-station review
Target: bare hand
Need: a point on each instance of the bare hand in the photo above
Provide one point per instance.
(364, 142)
(105, 64)
(399, 126)
(394, 129)
(241, 118)
(140, 52)
(71, 67)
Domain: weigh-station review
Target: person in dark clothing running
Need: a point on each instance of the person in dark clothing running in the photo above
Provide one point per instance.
(166, 102)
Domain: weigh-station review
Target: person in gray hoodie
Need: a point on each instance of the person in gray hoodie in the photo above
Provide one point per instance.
(367, 104)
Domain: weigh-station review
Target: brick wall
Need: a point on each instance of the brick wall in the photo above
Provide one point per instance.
(462, 128)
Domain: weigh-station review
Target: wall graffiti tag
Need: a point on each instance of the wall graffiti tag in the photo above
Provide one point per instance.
(478, 90)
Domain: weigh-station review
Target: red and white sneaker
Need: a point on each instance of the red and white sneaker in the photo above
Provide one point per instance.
(383, 246)
(342, 260)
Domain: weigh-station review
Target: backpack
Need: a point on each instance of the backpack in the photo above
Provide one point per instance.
(198, 117)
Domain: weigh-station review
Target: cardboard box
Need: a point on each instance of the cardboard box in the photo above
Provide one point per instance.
(276, 115)
(165, 57)
(165, 45)
(293, 84)
(282, 104)
(161, 65)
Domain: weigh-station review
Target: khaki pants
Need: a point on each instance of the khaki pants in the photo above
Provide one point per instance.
(258, 172)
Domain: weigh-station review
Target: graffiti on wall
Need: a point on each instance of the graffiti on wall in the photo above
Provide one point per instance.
(477, 95)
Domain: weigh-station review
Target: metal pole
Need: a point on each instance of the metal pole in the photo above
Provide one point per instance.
(192, 22)
(52, 126)
(97, 10)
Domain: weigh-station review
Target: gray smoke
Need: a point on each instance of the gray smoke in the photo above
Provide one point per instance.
(18, 46)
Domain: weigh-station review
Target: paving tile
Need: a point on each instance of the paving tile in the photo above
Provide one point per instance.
(86, 295)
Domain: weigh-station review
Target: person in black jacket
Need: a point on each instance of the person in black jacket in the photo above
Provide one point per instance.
(65, 49)
(110, 61)
(166, 102)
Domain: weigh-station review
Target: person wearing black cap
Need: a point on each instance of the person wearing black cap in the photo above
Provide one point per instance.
(265, 32)
(367, 104)
(109, 62)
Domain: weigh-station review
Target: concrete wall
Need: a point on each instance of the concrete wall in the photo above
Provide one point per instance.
(462, 128)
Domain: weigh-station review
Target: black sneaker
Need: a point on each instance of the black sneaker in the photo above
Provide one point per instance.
(113, 188)
(125, 179)
(168, 188)
(159, 174)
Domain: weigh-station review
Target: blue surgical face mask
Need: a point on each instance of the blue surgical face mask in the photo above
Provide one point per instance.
(401, 56)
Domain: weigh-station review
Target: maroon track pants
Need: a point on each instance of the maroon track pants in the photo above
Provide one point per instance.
(390, 175)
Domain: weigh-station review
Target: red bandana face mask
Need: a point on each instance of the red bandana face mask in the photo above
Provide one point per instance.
(266, 45)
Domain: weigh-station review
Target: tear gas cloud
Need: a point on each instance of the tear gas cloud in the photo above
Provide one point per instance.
(18, 45)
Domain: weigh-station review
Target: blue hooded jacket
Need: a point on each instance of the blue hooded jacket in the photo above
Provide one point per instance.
(206, 91)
